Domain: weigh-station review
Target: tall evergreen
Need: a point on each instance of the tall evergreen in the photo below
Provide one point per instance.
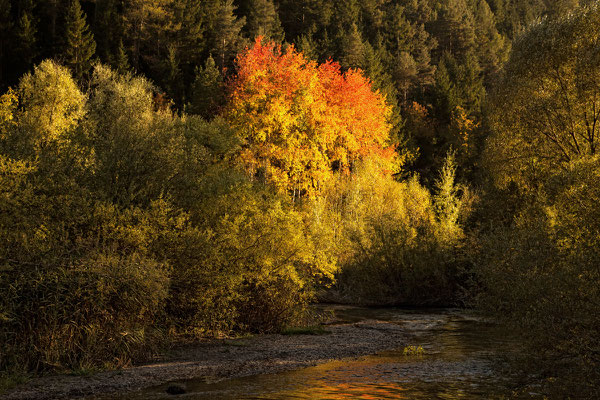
(262, 19)
(5, 31)
(121, 60)
(352, 49)
(107, 30)
(147, 25)
(189, 34)
(27, 39)
(173, 81)
(491, 46)
(226, 39)
(207, 91)
(298, 17)
(454, 28)
(80, 46)
(308, 46)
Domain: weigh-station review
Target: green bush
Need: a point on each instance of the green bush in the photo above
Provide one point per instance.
(397, 243)
(540, 276)
(123, 224)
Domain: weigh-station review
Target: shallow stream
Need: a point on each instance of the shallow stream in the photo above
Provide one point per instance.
(450, 354)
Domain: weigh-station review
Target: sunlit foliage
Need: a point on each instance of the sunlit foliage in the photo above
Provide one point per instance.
(300, 121)
(549, 97)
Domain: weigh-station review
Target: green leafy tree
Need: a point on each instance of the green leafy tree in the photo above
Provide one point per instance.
(80, 46)
(546, 103)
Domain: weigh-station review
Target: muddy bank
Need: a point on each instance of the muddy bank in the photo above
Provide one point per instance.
(222, 359)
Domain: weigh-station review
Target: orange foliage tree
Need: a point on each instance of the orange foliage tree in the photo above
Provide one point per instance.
(300, 121)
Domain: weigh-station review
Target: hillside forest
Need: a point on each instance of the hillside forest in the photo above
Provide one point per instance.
(193, 168)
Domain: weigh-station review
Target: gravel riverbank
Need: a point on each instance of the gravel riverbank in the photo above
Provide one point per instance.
(216, 360)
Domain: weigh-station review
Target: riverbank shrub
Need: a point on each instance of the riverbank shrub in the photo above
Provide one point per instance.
(123, 225)
(538, 263)
(398, 243)
(540, 277)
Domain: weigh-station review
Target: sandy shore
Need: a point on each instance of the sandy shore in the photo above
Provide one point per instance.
(216, 360)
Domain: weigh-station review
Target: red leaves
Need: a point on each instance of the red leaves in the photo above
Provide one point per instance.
(298, 119)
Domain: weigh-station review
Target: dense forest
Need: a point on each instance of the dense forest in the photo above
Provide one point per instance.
(193, 168)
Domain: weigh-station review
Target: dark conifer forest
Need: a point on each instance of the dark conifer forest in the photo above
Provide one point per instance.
(193, 168)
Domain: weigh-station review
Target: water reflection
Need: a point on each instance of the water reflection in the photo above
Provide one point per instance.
(460, 361)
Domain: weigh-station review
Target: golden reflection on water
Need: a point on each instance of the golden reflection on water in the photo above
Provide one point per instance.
(456, 363)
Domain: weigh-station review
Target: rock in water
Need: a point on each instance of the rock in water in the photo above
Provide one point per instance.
(176, 388)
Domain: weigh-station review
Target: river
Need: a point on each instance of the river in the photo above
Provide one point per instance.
(451, 354)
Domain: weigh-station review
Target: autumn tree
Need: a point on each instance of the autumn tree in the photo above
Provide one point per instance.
(546, 106)
(300, 121)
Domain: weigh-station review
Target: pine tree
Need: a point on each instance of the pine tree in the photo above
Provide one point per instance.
(207, 91)
(226, 39)
(405, 74)
(492, 48)
(423, 47)
(459, 83)
(262, 19)
(188, 35)
(107, 30)
(5, 29)
(26, 35)
(79, 42)
(173, 82)
(307, 45)
(299, 17)
(454, 28)
(147, 25)
(121, 62)
(352, 49)
(374, 67)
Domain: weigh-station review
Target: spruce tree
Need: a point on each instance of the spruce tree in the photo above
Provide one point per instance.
(121, 62)
(172, 75)
(454, 28)
(226, 39)
(352, 49)
(492, 48)
(207, 91)
(298, 17)
(26, 36)
(79, 42)
(262, 19)
(5, 29)
(308, 46)
(188, 35)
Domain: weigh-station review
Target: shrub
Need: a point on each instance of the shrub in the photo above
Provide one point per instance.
(397, 243)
